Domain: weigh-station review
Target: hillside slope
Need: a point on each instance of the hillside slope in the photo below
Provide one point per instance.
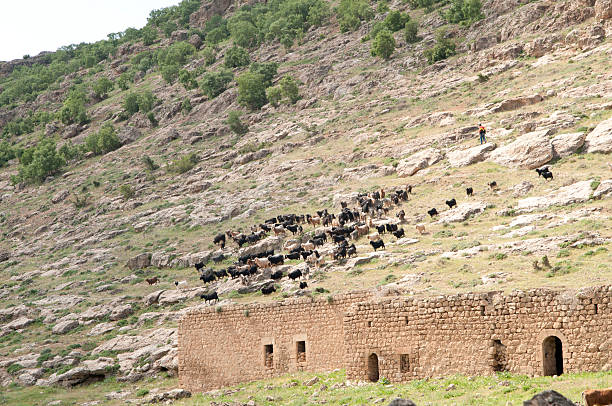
(78, 242)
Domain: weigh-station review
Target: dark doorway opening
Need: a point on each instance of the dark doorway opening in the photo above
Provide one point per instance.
(269, 355)
(552, 356)
(500, 357)
(301, 351)
(373, 368)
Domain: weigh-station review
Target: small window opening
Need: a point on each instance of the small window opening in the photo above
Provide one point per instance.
(482, 310)
(406, 320)
(500, 357)
(596, 308)
(373, 368)
(269, 355)
(301, 351)
(404, 363)
(369, 324)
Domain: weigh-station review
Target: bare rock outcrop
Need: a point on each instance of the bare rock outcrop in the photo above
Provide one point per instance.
(470, 156)
(600, 139)
(578, 192)
(565, 145)
(420, 160)
(529, 151)
(462, 212)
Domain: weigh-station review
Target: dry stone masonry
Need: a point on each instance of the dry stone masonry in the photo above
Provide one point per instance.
(536, 332)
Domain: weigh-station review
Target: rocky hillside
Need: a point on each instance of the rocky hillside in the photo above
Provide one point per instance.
(120, 162)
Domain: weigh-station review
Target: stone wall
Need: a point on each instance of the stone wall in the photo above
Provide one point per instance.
(224, 348)
(536, 332)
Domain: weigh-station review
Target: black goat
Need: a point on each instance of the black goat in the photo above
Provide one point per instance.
(199, 266)
(542, 171)
(380, 229)
(219, 240)
(293, 275)
(218, 258)
(469, 191)
(377, 244)
(450, 203)
(351, 250)
(277, 275)
(293, 255)
(432, 212)
(399, 233)
(493, 185)
(276, 259)
(391, 227)
(208, 276)
(294, 228)
(547, 175)
(209, 297)
(266, 290)
(303, 285)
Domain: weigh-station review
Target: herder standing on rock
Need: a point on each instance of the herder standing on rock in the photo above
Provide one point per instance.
(483, 134)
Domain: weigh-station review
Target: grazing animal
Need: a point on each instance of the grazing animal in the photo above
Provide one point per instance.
(152, 281)
(493, 185)
(266, 290)
(295, 274)
(277, 275)
(219, 240)
(262, 262)
(399, 233)
(380, 229)
(207, 277)
(409, 189)
(293, 255)
(469, 191)
(597, 397)
(279, 230)
(199, 266)
(420, 228)
(547, 175)
(391, 227)
(294, 228)
(218, 258)
(351, 250)
(181, 284)
(377, 244)
(541, 171)
(209, 297)
(450, 203)
(432, 212)
(374, 237)
(308, 246)
(401, 215)
(303, 285)
(276, 259)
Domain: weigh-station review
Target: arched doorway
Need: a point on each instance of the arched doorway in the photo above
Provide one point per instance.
(552, 356)
(373, 368)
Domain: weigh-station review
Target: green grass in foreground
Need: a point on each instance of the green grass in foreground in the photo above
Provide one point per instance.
(501, 389)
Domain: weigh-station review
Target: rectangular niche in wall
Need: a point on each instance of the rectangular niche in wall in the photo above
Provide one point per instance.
(404, 363)
(300, 347)
(268, 355)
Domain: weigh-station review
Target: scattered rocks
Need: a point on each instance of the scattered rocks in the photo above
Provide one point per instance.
(311, 381)
(60, 196)
(521, 189)
(600, 139)
(464, 157)
(139, 261)
(462, 212)
(578, 192)
(401, 402)
(174, 394)
(549, 398)
(128, 134)
(565, 145)
(18, 324)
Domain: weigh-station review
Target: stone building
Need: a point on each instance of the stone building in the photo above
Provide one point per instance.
(536, 332)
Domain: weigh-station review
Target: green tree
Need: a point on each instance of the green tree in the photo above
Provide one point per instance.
(411, 32)
(39, 162)
(251, 90)
(73, 110)
(149, 35)
(267, 70)
(383, 45)
(464, 11)
(124, 81)
(236, 57)
(130, 103)
(275, 95)
(215, 83)
(170, 72)
(146, 101)
(290, 89)
(444, 48)
(352, 12)
(186, 105)
(244, 33)
(235, 124)
(6, 153)
(396, 20)
(102, 87)
(209, 55)
(187, 79)
(104, 141)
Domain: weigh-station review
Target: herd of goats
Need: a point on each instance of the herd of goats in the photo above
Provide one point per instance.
(348, 225)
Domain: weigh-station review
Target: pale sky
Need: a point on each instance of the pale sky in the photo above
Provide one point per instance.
(32, 26)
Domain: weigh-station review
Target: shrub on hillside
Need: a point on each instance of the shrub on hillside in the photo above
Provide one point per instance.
(396, 20)
(184, 163)
(236, 57)
(251, 90)
(149, 163)
(126, 191)
(209, 55)
(187, 79)
(244, 33)
(235, 124)
(383, 45)
(444, 48)
(73, 110)
(411, 32)
(39, 162)
(464, 12)
(6, 153)
(290, 89)
(267, 70)
(124, 81)
(274, 95)
(215, 83)
(352, 12)
(172, 58)
(102, 87)
(103, 141)
(134, 102)
(186, 105)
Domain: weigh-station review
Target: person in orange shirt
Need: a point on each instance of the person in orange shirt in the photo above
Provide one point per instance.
(483, 134)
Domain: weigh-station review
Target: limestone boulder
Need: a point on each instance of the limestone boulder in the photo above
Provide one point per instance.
(603, 9)
(65, 326)
(270, 243)
(166, 397)
(521, 189)
(139, 261)
(60, 196)
(529, 151)
(578, 192)
(462, 212)
(603, 190)
(18, 324)
(549, 398)
(13, 312)
(420, 160)
(29, 377)
(565, 145)
(465, 157)
(128, 134)
(402, 402)
(121, 312)
(600, 139)
(516, 103)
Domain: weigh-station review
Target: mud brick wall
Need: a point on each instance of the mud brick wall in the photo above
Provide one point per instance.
(224, 348)
(537, 332)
